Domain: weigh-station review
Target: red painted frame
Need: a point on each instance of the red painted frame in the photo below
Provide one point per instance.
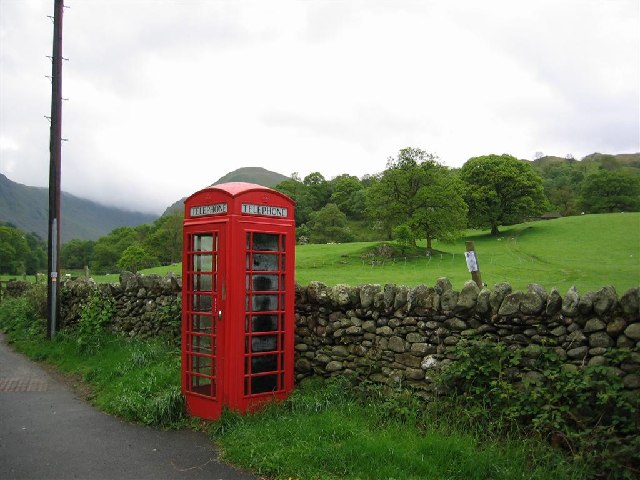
(252, 265)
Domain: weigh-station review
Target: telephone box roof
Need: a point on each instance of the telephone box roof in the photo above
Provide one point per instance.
(236, 188)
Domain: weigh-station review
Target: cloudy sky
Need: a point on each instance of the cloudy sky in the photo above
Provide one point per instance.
(166, 96)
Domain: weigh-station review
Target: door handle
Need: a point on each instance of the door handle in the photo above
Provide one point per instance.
(220, 315)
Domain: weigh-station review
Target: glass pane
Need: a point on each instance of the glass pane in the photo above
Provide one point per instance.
(202, 283)
(265, 262)
(203, 243)
(264, 303)
(201, 323)
(201, 365)
(264, 363)
(202, 263)
(266, 383)
(265, 242)
(201, 303)
(265, 282)
(201, 344)
(264, 323)
(263, 343)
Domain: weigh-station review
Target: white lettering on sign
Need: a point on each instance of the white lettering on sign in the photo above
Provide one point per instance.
(215, 209)
(266, 210)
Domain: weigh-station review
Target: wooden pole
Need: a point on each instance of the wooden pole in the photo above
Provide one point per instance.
(472, 263)
(55, 151)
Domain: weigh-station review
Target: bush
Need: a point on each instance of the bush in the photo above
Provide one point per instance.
(586, 412)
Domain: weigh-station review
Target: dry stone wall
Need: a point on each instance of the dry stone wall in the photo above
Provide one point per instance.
(394, 334)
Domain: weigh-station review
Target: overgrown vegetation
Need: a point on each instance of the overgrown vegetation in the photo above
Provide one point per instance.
(484, 418)
(332, 430)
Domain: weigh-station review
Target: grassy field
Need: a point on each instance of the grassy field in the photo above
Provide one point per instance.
(587, 252)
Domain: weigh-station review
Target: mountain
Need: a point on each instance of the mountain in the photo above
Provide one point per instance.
(257, 175)
(28, 209)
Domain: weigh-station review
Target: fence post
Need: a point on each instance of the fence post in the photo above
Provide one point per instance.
(472, 263)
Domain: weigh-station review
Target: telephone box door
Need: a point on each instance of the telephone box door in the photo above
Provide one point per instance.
(203, 301)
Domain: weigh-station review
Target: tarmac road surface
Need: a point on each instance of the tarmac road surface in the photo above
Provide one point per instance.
(46, 432)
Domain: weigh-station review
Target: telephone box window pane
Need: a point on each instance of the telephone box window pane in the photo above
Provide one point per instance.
(201, 323)
(201, 344)
(265, 242)
(201, 385)
(264, 363)
(264, 303)
(264, 343)
(203, 243)
(265, 383)
(202, 303)
(202, 263)
(264, 323)
(265, 262)
(201, 364)
(265, 283)
(202, 283)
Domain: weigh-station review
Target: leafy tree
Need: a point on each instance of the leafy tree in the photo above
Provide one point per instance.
(610, 191)
(439, 209)
(36, 259)
(347, 195)
(108, 249)
(418, 192)
(164, 240)
(297, 190)
(14, 250)
(391, 197)
(76, 253)
(501, 190)
(136, 257)
(403, 234)
(318, 191)
(329, 225)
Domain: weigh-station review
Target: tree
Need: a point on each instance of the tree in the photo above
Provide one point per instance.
(501, 190)
(108, 249)
(439, 209)
(164, 240)
(346, 194)
(391, 197)
(418, 192)
(76, 253)
(136, 257)
(295, 189)
(329, 225)
(14, 250)
(607, 191)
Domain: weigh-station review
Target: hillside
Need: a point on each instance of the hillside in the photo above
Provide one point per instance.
(28, 209)
(257, 175)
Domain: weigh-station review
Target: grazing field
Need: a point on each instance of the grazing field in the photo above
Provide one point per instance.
(587, 252)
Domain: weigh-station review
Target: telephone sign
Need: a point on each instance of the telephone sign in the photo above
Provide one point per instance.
(237, 298)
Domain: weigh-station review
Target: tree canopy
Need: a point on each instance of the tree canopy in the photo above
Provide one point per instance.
(501, 190)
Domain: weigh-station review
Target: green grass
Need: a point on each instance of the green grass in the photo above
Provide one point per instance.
(589, 252)
(323, 432)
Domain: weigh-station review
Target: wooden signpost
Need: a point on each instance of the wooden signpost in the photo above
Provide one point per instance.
(472, 263)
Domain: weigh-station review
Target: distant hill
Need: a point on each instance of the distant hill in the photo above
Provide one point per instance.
(257, 175)
(594, 161)
(28, 209)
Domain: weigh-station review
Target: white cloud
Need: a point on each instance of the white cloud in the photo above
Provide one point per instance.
(167, 96)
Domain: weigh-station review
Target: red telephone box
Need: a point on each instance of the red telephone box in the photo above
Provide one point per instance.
(237, 298)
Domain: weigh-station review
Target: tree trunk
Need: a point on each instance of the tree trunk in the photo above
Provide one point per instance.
(494, 230)
(429, 248)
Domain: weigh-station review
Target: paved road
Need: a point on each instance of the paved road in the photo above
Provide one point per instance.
(46, 432)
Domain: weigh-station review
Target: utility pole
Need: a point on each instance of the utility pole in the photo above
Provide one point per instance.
(55, 152)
